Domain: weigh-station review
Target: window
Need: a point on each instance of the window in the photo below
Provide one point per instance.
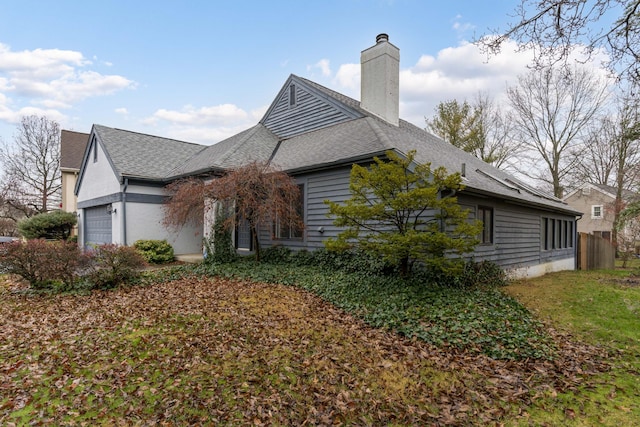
(556, 234)
(95, 150)
(485, 215)
(290, 231)
(292, 96)
(596, 211)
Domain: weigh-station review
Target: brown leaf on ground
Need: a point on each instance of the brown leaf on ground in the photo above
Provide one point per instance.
(210, 351)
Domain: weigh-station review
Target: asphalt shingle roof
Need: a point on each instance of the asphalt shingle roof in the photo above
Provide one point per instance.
(139, 155)
(72, 146)
(254, 144)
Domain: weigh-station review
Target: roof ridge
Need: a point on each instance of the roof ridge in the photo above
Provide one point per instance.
(149, 135)
(236, 147)
(379, 132)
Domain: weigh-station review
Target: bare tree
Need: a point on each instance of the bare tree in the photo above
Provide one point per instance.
(595, 161)
(611, 153)
(554, 29)
(495, 131)
(551, 114)
(31, 182)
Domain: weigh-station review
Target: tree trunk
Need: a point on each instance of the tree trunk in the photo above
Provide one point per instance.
(256, 241)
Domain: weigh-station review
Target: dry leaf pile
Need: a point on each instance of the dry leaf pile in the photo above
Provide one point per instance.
(202, 351)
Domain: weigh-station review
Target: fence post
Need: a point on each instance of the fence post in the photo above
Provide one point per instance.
(583, 251)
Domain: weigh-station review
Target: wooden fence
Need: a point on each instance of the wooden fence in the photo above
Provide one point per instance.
(595, 252)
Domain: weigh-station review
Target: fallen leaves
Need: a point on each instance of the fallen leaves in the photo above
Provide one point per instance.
(211, 351)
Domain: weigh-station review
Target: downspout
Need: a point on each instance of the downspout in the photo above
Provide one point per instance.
(124, 211)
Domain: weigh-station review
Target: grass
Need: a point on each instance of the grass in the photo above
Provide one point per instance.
(225, 350)
(601, 308)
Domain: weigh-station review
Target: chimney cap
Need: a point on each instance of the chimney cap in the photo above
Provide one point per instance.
(382, 37)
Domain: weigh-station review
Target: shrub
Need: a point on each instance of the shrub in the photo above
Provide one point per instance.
(113, 265)
(277, 255)
(470, 274)
(348, 260)
(43, 264)
(51, 225)
(155, 251)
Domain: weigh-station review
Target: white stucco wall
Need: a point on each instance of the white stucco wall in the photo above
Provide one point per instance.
(98, 179)
(144, 221)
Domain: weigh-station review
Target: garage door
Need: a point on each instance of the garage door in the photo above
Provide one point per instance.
(97, 222)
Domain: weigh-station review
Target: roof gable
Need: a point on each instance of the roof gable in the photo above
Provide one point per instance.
(300, 107)
(138, 156)
(606, 190)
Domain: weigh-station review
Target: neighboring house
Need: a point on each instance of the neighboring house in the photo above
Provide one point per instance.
(316, 135)
(597, 201)
(72, 146)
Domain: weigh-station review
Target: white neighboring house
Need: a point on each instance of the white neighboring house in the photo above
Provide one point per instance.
(120, 189)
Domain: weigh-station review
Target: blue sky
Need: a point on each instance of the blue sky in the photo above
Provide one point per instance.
(201, 71)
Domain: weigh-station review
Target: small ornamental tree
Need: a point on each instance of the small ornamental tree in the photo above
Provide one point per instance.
(405, 212)
(260, 193)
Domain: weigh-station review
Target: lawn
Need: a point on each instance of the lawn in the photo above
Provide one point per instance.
(228, 351)
(601, 308)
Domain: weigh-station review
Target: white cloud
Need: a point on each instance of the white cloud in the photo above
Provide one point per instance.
(206, 125)
(189, 115)
(458, 72)
(322, 65)
(46, 81)
(462, 28)
(122, 111)
(348, 79)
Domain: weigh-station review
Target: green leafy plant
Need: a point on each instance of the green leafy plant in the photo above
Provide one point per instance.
(155, 251)
(51, 225)
(405, 212)
(277, 255)
(219, 247)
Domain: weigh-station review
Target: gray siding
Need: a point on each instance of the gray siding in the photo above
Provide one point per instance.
(310, 112)
(517, 235)
(318, 186)
(517, 231)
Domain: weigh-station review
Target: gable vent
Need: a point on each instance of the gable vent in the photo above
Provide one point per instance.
(292, 96)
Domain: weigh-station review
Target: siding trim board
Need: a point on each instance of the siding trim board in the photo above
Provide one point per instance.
(118, 197)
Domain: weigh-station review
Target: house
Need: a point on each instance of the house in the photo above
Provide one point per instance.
(598, 202)
(72, 146)
(316, 135)
(120, 189)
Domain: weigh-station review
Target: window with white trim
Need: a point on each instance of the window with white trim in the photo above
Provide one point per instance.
(596, 211)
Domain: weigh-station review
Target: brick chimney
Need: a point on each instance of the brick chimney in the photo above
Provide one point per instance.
(380, 80)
